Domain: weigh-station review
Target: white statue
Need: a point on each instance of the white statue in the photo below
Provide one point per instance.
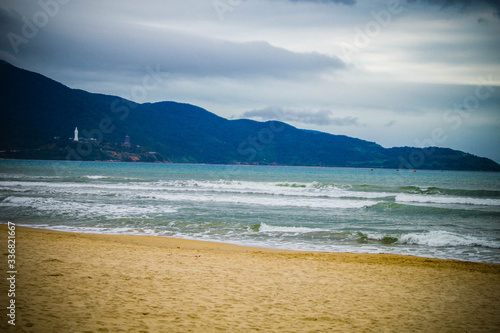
(76, 134)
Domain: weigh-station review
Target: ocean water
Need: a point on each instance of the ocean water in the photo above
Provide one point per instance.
(450, 214)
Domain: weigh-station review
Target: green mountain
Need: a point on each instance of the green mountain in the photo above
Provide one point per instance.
(38, 116)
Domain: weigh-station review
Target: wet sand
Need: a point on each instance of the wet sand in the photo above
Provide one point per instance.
(68, 282)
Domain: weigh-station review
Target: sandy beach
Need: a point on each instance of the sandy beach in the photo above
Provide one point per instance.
(69, 282)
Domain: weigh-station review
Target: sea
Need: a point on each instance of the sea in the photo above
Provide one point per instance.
(437, 214)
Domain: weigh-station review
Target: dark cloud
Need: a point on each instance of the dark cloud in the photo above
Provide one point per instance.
(344, 2)
(345, 121)
(495, 4)
(110, 48)
(5, 18)
(10, 21)
(462, 4)
(321, 117)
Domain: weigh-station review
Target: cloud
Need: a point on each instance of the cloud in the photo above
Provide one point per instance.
(345, 121)
(320, 117)
(344, 2)
(10, 19)
(443, 4)
(6, 16)
(463, 4)
(110, 47)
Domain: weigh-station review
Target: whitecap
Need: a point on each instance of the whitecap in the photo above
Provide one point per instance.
(408, 198)
(270, 228)
(444, 238)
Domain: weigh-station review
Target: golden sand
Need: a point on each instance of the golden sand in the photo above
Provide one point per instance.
(69, 282)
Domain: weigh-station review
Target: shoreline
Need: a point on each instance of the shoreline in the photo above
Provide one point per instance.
(208, 245)
(218, 244)
(197, 244)
(77, 282)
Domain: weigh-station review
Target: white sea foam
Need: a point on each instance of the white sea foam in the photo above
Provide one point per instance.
(111, 211)
(192, 186)
(100, 177)
(97, 230)
(244, 187)
(74, 188)
(270, 228)
(95, 177)
(278, 201)
(408, 198)
(444, 238)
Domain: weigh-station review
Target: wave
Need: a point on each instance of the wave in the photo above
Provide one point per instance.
(377, 191)
(263, 201)
(439, 238)
(97, 230)
(293, 189)
(445, 238)
(448, 191)
(102, 178)
(24, 177)
(270, 228)
(292, 194)
(436, 199)
(392, 190)
(313, 195)
(94, 177)
(248, 193)
(71, 187)
(87, 209)
(274, 189)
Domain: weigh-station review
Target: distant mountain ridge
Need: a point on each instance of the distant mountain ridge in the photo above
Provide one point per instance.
(38, 116)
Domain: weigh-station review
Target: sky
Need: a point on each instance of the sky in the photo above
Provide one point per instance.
(396, 72)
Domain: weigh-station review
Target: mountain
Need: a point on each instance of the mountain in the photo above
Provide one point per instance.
(38, 116)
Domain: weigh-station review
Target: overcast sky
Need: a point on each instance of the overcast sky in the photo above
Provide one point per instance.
(396, 72)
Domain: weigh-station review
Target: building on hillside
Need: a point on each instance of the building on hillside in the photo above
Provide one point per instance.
(126, 143)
